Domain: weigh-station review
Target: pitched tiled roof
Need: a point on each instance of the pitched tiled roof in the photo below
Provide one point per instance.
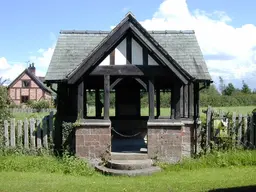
(74, 46)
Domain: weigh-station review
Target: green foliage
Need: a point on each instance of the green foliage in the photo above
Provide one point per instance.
(4, 104)
(229, 90)
(245, 89)
(39, 105)
(45, 163)
(216, 159)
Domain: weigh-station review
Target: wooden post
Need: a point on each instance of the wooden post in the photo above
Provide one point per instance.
(191, 100)
(97, 103)
(80, 101)
(45, 136)
(151, 93)
(239, 131)
(177, 100)
(13, 142)
(32, 134)
(19, 135)
(185, 101)
(6, 133)
(233, 131)
(208, 126)
(158, 108)
(38, 134)
(106, 96)
(26, 133)
(51, 127)
(245, 129)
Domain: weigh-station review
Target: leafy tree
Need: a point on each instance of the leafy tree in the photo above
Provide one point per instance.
(4, 102)
(211, 90)
(229, 90)
(245, 89)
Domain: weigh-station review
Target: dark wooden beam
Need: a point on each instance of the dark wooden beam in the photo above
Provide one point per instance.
(176, 101)
(106, 96)
(151, 94)
(181, 102)
(190, 100)
(196, 101)
(80, 101)
(115, 83)
(97, 103)
(158, 102)
(112, 57)
(142, 83)
(145, 56)
(130, 70)
(185, 101)
(129, 49)
(99, 54)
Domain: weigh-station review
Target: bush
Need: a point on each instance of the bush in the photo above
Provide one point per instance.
(39, 105)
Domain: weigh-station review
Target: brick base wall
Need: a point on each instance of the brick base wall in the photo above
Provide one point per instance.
(93, 139)
(170, 142)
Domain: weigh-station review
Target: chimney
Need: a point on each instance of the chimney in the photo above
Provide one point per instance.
(32, 69)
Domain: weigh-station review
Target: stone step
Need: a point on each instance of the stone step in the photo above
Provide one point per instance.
(129, 164)
(137, 172)
(128, 156)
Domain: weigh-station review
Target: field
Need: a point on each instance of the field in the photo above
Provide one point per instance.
(28, 173)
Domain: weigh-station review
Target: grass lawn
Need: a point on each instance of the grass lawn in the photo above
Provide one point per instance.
(195, 180)
(22, 116)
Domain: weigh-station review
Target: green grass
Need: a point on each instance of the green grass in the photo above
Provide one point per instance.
(47, 173)
(196, 180)
(22, 116)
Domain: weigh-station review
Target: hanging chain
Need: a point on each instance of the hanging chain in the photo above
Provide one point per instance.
(122, 135)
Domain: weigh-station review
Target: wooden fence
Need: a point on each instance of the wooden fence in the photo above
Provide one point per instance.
(239, 129)
(30, 133)
(31, 110)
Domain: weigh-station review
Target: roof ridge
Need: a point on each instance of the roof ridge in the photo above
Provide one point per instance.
(107, 32)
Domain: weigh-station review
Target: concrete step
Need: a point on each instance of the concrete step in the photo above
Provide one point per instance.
(128, 156)
(129, 164)
(137, 172)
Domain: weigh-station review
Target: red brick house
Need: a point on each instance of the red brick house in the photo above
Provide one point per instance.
(27, 86)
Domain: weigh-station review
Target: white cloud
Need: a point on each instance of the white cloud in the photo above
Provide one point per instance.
(216, 36)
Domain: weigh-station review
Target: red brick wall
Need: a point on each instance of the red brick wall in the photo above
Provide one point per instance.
(92, 141)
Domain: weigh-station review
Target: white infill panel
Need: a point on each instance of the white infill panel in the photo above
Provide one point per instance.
(120, 53)
(106, 61)
(151, 61)
(137, 53)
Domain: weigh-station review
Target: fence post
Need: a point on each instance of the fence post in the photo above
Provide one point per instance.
(239, 130)
(13, 142)
(253, 130)
(45, 138)
(32, 129)
(6, 133)
(245, 130)
(233, 131)
(38, 134)
(19, 135)
(26, 133)
(51, 128)
(208, 126)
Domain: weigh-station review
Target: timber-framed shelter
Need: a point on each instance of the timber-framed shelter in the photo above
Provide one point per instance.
(127, 61)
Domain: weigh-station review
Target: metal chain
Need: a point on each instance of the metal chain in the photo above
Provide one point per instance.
(122, 135)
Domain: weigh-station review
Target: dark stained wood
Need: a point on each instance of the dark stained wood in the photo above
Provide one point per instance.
(145, 56)
(80, 101)
(97, 103)
(181, 102)
(128, 49)
(142, 83)
(158, 102)
(176, 101)
(130, 70)
(112, 57)
(151, 94)
(98, 55)
(185, 101)
(196, 101)
(106, 96)
(115, 83)
(190, 100)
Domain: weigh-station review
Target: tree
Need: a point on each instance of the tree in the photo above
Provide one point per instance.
(222, 85)
(245, 88)
(211, 90)
(229, 90)
(4, 102)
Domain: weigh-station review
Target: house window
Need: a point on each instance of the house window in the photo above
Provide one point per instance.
(26, 83)
(24, 99)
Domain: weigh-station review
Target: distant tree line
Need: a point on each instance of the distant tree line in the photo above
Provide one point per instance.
(228, 95)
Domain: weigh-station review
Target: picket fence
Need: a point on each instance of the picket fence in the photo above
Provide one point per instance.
(239, 128)
(29, 133)
(31, 110)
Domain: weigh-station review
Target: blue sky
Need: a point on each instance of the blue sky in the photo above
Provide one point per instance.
(29, 29)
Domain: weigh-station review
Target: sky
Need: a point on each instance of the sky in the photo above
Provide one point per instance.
(225, 29)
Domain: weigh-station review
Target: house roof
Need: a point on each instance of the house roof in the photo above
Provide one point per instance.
(33, 77)
(73, 48)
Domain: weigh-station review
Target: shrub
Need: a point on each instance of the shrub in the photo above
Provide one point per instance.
(39, 105)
